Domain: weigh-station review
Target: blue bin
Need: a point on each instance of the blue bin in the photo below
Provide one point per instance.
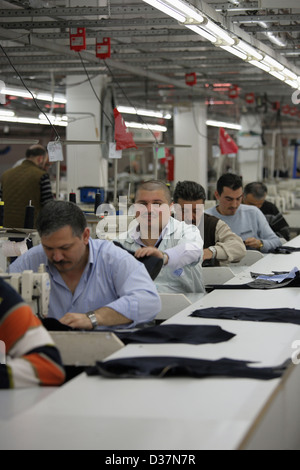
(88, 194)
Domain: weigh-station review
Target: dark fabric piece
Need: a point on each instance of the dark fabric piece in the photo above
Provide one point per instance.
(275, 315)
(190, 334)
(210, 224)
(284, 250)
(151, 263)
(259, 284)
(161, 367)
(51, 324)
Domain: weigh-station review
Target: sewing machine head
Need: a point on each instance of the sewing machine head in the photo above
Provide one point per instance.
(34, 288)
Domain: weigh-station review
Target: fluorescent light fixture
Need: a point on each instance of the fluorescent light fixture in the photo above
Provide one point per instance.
(274, 64)
(30, 120)
(278, 75)
(6, 113)
(203, 33)
(39, 96)
(177, 9)
(151, 127)
(220, 33)
(292, 83)
(235, 52)
(261, 66)
(48, 97)
(288, 73)
(227, 125)
(167, 9)
(144, 112)
(249, 50)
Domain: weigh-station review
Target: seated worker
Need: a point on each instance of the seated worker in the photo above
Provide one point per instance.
(221, 245)
(31, 356)
(255, 195)
(93, 283)
(156, 233)
(246, 221)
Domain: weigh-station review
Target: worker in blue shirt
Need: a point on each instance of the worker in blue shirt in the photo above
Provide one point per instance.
(94, 284)
(246, 221)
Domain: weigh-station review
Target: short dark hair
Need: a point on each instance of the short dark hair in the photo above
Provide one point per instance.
(229, 180)
(154, 185)
(189, 191)
(58, 214)
(258, 190)
(36, 151)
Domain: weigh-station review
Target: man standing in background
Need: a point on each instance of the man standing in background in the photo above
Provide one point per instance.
(24, 183)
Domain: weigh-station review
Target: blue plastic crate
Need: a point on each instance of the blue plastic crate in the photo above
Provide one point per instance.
(88, 194)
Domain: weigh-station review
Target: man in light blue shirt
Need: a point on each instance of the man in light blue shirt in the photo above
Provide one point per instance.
(246, 221)
(93, 283)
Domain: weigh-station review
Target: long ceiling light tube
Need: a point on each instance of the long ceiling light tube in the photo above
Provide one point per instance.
(30, 120)
(144, 112)
(193, 19)
(39, 96)
(226, 125)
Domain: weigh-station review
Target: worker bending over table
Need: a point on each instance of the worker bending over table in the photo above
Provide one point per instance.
(94, 284)
(157, 233)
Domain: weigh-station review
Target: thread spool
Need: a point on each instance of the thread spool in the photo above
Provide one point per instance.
(98, 197)
(72, 197)
(1, 213)
(29, 216)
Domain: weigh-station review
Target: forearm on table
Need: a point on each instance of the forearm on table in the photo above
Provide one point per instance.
(107, 316)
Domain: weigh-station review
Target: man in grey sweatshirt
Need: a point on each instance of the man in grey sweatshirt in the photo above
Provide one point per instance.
(246, 221)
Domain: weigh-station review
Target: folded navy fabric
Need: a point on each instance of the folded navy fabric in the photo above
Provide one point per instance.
(275, 315)
(163, 367)
(190, 334)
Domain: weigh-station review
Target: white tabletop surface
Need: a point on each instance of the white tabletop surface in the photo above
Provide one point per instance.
(177, 413)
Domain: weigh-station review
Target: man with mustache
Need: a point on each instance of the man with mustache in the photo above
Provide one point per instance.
(158, 234)
(94, 284)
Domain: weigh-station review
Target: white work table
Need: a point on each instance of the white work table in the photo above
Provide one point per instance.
(178, 413)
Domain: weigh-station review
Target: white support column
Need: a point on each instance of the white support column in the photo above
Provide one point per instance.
(251, 153)
(85, 165)
(190, 129)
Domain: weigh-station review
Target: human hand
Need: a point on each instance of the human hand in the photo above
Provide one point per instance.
(77, 320)
(253, 243)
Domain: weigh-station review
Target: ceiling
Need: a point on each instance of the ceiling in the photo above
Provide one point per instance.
(151, 53)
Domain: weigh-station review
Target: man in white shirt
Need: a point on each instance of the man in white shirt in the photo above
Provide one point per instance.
(246, 221)
(158, 234)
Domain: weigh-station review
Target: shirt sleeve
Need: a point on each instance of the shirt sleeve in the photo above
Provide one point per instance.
(189, 249)
(266, 234)
(32, 359)
(46, 190)
(230, 247)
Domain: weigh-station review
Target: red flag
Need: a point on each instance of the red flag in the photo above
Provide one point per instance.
(123, 137)
(227, 144)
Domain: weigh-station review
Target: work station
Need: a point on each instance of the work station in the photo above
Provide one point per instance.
(149, 253)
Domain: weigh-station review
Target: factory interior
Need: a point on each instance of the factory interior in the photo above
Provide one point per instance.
(123, 92)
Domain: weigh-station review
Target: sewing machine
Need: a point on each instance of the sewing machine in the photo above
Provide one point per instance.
(77, 348)
(34, 288)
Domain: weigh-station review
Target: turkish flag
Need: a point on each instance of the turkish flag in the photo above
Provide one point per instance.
(123, 137)
(227, 144)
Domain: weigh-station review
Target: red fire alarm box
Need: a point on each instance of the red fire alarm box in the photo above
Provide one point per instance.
(77, 39)
(103, 48)
(191, 79)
